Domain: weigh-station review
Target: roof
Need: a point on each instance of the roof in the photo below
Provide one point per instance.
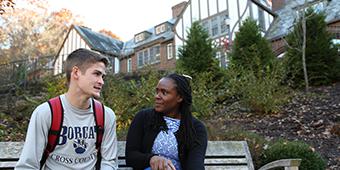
(100, 42)
(130, 45)
(113, 47)
(286, 16)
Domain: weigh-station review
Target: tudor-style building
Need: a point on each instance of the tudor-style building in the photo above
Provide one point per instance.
(287, 14)
(83, 37)
(222, 19)
(154, 47)
(158, 46)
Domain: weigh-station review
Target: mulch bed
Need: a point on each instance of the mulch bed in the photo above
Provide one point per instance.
(313, 118)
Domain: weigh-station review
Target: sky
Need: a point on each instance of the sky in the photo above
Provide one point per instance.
(125, 18)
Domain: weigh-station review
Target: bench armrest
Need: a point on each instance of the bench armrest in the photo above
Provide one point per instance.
(289, 164)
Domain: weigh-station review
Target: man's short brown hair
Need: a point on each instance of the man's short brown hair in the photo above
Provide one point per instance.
(82, 58)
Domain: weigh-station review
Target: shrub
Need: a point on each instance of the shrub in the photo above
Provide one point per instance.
(55, 85)
(203, 92)
(127, 97)
(281, 149)
(320, 54)
(251, 50)
(197, 53)
(263, 94)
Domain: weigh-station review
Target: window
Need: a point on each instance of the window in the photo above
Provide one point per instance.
(149, 56)
(157, 54)
(129, 65)
(217, 25)
(146, 57)
(140, 59)
(139, 37)
(214, 25)
(161, 28)
(223, 21)
(206, 26)
(169, 51)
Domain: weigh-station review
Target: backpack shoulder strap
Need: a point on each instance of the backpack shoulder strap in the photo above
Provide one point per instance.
(98, 111)
(57, 116)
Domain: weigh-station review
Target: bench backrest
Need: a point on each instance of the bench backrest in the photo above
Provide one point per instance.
(233, 155)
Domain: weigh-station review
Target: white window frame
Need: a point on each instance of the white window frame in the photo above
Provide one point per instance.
(140, 60)
(170, 51)
(129, 65)
(160, 29)
(157, 56)
(140, 37)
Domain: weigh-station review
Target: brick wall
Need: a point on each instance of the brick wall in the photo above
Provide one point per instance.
(167, 64)
(164, 64)
(123, 65)
(278, 46)
(334, 28)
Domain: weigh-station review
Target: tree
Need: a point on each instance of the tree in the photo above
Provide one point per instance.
(33, 32)
(5, 4)
(197, 54)
(320, 53)
(251, 51)
(109, 33)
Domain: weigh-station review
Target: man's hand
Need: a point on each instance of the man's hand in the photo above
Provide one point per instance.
(161, 163)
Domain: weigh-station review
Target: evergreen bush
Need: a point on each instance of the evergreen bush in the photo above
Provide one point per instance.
(321, 54)
(263, 94)
(281, 149)
(197, 55)
(250, 50)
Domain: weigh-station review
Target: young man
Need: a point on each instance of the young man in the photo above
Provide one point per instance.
(76, 144)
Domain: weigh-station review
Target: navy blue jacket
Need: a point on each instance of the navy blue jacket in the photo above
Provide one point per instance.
(141, 137)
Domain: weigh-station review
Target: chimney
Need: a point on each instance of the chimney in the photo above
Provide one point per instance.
(177, 9)
(278, 4)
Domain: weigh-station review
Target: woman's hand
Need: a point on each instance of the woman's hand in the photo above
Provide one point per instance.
(161, 163)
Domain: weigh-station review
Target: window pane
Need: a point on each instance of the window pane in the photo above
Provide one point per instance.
(169, 51)
(146, 56)
(140, 59)
(152, 55)
(214, 25)
(157, 53)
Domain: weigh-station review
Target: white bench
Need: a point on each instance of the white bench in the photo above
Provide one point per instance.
(233, 155)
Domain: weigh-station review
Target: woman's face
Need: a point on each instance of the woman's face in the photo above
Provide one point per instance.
(167, 100)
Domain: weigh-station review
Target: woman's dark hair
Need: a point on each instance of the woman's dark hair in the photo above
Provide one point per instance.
(186, 130)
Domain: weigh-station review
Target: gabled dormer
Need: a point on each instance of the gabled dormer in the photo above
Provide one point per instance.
(163, 27)
(142, 36)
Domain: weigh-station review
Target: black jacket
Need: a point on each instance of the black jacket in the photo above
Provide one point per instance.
(141, 137)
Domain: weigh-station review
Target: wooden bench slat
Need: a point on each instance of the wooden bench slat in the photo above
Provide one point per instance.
(220, 155)
(226, 161)
(226, 168)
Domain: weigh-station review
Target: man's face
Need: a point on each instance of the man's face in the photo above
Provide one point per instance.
(91, 82)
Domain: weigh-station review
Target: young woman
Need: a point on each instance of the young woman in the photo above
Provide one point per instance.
(167, 136)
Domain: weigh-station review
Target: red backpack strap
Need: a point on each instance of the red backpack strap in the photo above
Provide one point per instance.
(57, 116)
(98, 111)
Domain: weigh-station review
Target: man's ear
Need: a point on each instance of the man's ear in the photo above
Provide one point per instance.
(75, 73)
